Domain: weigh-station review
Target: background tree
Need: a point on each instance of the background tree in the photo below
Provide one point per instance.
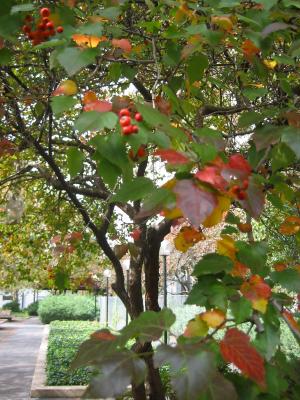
(94, 96)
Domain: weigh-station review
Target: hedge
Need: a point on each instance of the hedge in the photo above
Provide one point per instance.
(69, 307)
(32, 309)
(64, 341)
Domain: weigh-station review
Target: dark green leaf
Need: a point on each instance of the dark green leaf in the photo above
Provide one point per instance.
(289, 279)
(196, 67)
(191, 369)
(75, 160)
(133, 190)
(212, 264)
(149, 325)
(152, 116)
(268, 341)
(282, 156)
(73, 59)
(221, 388)
(253, 93)
(241, 309)
(60, 104)
(276, 384)
(253, 255)
(291, 137)
(95, 121)
(91, 28)
(5, 56)
(108, 171)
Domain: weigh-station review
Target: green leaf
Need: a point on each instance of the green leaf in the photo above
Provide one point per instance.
(282, 156)
(196, 67)
(241, 310)
(109, 172)
(221, 388)
(291, 137)
(253, 93)
(22, 8)
(250, 118)
(291, 3)
(158, 198)
(73, 59)
(191, 369)
(133, 190)
(51, 43)
(212, 264)
(91, 28)
(152, 116)
(276, 384)
(149, 325)
(60, 104)
(75, 160)
(160, 139)
(110, 12)
(95, 121)
(268, 341)
(253, 255)
(289, 279)
(5, 56)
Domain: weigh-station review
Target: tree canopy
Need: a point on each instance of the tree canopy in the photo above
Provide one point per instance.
(137, 116)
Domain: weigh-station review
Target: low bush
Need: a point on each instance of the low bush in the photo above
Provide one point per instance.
(69, 307)
(14, 306)
(32, 309)
(64, 341)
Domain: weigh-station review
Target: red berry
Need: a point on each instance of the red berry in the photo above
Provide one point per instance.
(131, 154)
(28, 18)
(241, 195)
(59, 29)
(138, 117)
(141, 152)
(135, 129)
(51, 32)
(124, 112)
(127, 130)
(26, 29)
(45, 20)
(45, 12)
(50, 25)
(245, 184)
(235, 189)
(41, 27)
(46, 34)
(37, 41)
(125, 120)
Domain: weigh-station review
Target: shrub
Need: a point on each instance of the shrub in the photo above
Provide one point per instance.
(32, 309)
(66, 308)
(64, 341)
(14, 306)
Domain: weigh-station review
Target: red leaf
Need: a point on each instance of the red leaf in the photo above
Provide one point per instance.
(98, 105)
(171, 156)
(123, 44)
(163, 105)
(136, 234)
(195, 204)
(255, 201)
(103, 334)
(236, 348)
(7, 147)
(212, 176)
(237, 167)
(256, 288)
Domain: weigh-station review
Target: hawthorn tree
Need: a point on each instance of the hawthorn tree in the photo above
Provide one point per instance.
(150, 113)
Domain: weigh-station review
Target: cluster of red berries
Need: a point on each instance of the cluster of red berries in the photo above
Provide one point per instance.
(44, 27)
(240, 191)
(141, 153)
(125, 121)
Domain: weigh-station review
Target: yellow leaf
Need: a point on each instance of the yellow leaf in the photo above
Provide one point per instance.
(66, 88)
(223, 21)
(196, 327)
(260, 305)
(226, 247)
(213, 318)
(270, 64)
(172, 213)
(219, 212)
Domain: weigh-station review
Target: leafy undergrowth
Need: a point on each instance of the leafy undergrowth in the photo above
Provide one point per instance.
(65, 338)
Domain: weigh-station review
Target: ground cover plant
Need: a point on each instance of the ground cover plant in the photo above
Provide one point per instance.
(132, 117)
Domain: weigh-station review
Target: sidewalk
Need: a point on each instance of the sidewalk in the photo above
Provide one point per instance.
(19, 344)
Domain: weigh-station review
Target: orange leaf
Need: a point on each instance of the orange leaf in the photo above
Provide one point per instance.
(279, 267)
(290, 226)
(289, 316)
(257, 291)
(239, 269)
(103, 334)
(236, 348)
(212, 175)
(136, 234)
(219, 212)
(89, 97)
(293, 118)
(123, 44)
(245, 228)
(163, 105)
(213, 318)
(223, 21)
(7, 147)
(249, 49)
(186, 238)
(98, 105)
(88, 40)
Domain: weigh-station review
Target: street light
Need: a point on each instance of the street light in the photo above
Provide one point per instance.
(107, 274)
(126, 265)
(164, 252)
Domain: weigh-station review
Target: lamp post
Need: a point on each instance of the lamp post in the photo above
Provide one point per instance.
(126, 265)
(107, 274)
(164, 252)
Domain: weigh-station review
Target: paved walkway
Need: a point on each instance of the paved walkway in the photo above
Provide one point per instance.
(19, 344)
